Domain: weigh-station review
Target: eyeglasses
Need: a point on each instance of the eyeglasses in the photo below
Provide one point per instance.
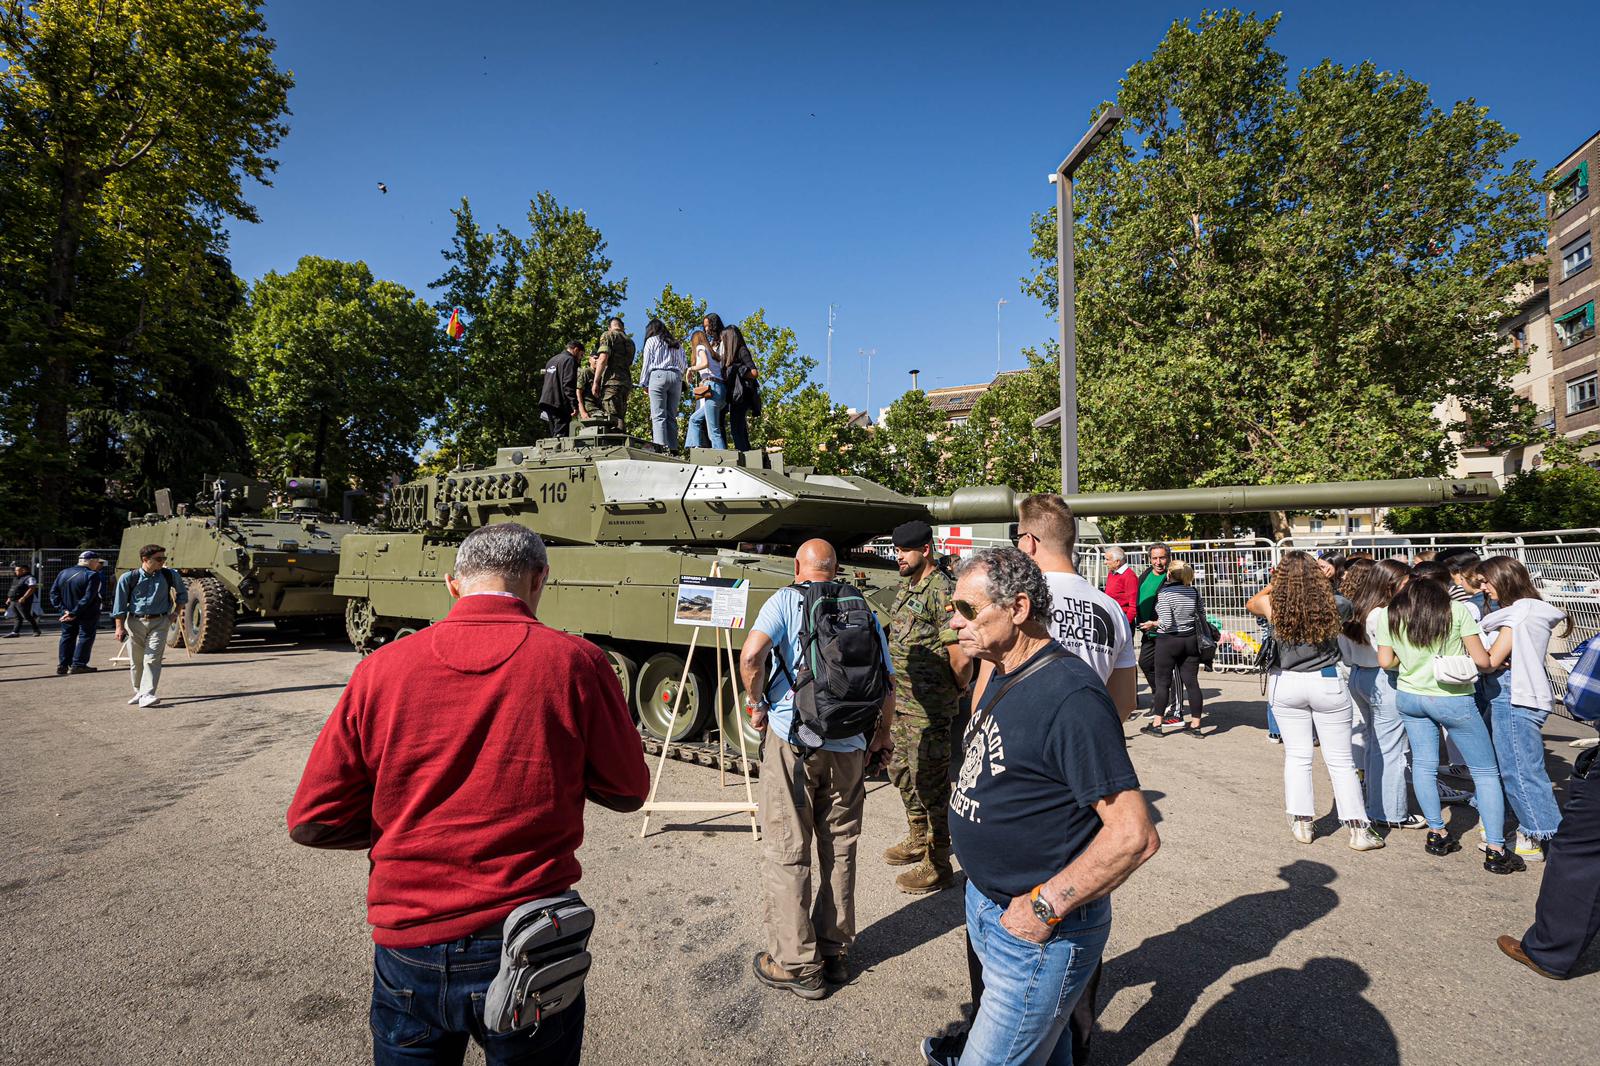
(968, 611)
(1016, 538)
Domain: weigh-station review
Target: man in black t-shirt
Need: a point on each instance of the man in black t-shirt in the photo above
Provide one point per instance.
(1046, 815)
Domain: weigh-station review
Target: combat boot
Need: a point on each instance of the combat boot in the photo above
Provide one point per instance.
(930, 875)
(912, 849)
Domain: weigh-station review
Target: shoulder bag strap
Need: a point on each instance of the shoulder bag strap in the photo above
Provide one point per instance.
(1032, 668)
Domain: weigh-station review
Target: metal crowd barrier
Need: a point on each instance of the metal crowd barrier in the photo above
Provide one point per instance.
(47, 564)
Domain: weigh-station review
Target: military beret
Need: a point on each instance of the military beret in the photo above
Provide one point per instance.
(912, 534)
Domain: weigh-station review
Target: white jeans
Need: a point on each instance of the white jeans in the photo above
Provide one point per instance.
(147, 642)
(1301, 702)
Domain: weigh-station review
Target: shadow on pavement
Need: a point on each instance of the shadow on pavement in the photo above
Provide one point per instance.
(909, 927)
(183, 700)
(1316, 1014)
(1183, 963)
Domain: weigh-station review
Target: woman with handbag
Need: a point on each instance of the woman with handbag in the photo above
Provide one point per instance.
(1179, 618)
(705, 425)
(1437, 648)
(1520, 697)
(1309, 697)
(744, 390)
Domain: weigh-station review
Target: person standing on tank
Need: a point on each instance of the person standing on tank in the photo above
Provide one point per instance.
(613, 373)
(705, 424)
(812, 800)
(661, 370)
(929, 672)
(738, 367)
(20, 598)
(558, 399)
(148, 598)
(78, 592)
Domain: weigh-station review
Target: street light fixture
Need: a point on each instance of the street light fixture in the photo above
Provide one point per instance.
(1066, 294)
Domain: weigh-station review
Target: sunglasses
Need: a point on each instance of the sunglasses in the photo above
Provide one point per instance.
(1017, 535)
(968, 611)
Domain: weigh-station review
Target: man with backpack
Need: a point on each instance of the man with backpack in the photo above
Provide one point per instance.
(147, 598)
(825, 710)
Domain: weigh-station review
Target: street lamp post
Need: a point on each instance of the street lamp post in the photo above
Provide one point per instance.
(1066, 291)
(998, 304)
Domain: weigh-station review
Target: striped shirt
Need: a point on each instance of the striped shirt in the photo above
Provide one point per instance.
(1177, 610)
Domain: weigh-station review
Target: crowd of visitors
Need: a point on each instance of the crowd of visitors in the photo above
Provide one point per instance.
(719, 369)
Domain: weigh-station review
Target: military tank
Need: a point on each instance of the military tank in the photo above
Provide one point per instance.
(625, 522)
(244, 558)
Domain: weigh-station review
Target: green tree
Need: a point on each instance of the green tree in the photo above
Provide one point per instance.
(128, 129)
(344, 373)
(814, 431)
(524, 298)
(912, 446)
(998, 443)
(1280, 282)
(784, 372)
(1557, 497)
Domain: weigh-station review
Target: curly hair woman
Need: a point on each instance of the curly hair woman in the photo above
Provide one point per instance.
(1308, 696)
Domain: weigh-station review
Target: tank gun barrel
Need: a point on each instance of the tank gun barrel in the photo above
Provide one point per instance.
(998, 503)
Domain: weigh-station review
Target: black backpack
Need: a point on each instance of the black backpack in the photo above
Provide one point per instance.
(840, 680)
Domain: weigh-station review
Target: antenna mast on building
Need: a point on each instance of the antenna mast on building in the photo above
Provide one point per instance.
(998, 304)
(827, 380)
(867, 354)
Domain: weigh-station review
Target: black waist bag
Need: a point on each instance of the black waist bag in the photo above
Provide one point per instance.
(544, 959)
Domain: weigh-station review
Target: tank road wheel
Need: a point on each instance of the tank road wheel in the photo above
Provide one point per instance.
(658, 687)
(627, 671)
(360, 622)
(734, 723)
(209, 615)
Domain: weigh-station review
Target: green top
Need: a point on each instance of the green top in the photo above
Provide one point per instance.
(1416, 664)
(1149, 585)
(919, 633)
(620, 351)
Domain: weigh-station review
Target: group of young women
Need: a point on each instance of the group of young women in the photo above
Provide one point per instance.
(722, 376)
(1419, 671)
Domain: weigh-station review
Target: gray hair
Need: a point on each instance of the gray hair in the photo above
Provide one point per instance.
(1008, 573)
(503, 550)
(1115, 552)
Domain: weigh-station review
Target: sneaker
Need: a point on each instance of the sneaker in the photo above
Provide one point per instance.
(1455, 769)
(1273, 738)
(836, 969)
(133, 699)
(1439, 843)
(1171, 721)
(1363, 838)
(769, 973)
(1413, 821)
(1301, 828)
(12, 636)
(1529, 850)
(1503, 862)
(61, 670)
(1453, 795)
(150, 701)
(943, 1050)
(76, 669)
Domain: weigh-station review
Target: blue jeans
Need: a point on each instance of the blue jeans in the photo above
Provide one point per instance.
(427, 1001)
(1272, 722)
(1029, 990)
(1385, 750)
(666, 389)
(1518, 734)
(706, 422)
(77, 639)
(1423, 715)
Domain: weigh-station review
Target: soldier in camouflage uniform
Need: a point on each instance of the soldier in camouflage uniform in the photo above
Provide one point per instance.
(614, 373)
(928, 671)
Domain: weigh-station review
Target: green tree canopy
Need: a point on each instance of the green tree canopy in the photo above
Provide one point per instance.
(525, 297)
(128, 129)
(343, 373)
(1280, 282)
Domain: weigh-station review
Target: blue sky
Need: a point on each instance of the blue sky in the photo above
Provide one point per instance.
(884, 157)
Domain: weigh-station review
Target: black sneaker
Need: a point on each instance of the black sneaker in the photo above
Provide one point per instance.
(1504, 861)
(943, 1050)
(76, 669)
(61, 670)
(1440, 844)
(767, 971)
(836, 969)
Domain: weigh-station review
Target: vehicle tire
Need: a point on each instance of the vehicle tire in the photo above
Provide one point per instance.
(735, 724)
(655, 691)
(209, 615)
(627, 671)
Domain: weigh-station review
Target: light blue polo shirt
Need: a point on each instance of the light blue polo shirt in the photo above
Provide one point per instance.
(780, 619)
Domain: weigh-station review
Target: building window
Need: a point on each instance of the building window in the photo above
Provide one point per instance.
(1572, 188)
(1575, 326)
(1583, 393)
(1574, 257)
(1353, 524)
(1316, 525)
(1519, 339)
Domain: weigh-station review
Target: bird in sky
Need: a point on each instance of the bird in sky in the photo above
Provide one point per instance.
(383, 188)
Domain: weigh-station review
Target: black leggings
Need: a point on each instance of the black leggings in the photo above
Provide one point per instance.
(1180, 653)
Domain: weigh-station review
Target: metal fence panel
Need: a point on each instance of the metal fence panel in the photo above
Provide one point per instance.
(47, 564)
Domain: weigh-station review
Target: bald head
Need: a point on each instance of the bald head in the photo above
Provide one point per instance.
(816, 561)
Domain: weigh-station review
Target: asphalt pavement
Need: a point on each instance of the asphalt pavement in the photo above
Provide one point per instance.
(155, 911)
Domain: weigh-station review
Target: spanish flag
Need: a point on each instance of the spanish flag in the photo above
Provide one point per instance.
(455, 328)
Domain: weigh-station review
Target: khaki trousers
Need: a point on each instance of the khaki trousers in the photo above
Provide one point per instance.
(821, 799)
(147, 643)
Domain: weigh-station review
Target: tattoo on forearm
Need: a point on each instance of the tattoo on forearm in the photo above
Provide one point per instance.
(1070, 893)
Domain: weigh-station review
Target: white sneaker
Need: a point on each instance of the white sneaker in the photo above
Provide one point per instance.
(1363, 838)
(149, 701)
(1453, 795)
(1530, 850)
(133, 699)
(1301, 828)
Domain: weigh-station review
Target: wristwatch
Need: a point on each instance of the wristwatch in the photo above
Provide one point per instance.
(1042, 909)
(752, 706)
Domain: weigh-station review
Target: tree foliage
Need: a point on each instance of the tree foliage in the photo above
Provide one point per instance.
(1280, 282)
(525, 297)
(128, 129)
(343, 372)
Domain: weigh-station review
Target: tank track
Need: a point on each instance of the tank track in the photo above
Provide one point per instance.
(701, 753)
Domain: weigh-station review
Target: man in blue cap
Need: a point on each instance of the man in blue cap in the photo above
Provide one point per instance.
(78, 592)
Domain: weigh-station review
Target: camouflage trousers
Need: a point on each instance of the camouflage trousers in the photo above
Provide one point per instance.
(920, 769)
(613, 398)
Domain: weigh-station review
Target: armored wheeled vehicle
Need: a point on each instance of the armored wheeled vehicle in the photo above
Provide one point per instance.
(245, 558)
(625, 523)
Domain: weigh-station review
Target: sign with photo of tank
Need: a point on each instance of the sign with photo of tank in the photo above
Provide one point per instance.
(720, 602)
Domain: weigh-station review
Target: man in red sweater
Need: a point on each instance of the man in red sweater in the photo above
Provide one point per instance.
(461, 756)
(1122, 584)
